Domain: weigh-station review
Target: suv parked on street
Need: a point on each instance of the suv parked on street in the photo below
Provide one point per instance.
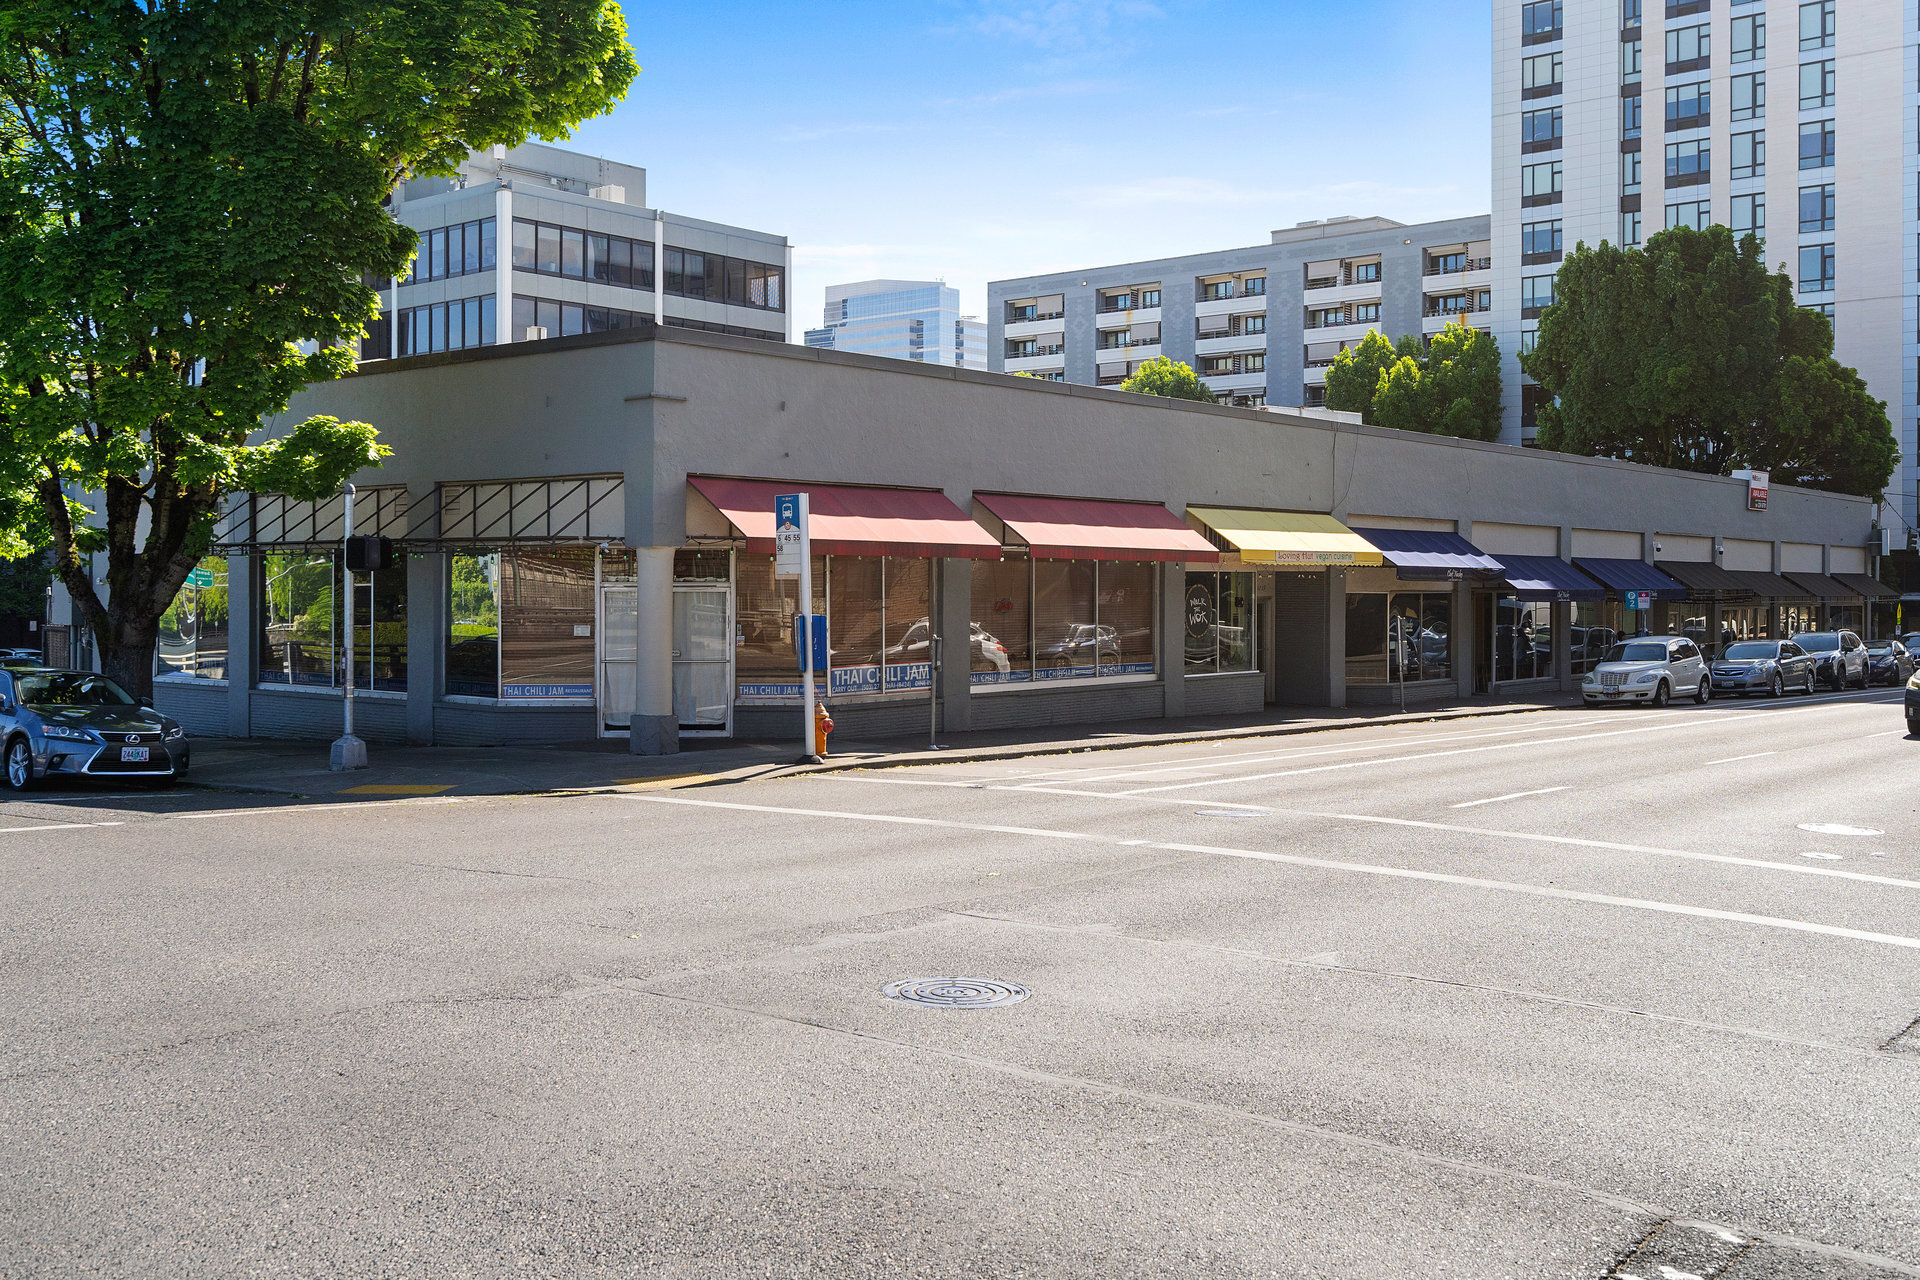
(1763, 666)
(1840, 657)
(1650, 669)
(59, 723)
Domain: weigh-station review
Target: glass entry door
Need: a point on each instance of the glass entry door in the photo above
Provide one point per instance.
(703, 659)
(617, 669)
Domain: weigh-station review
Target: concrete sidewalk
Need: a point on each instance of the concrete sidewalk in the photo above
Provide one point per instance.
(296, 768)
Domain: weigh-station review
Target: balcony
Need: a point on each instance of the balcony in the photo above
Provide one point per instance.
(1025, 315)
(1464, 308)
(1122, 344)
(1458, 268)
(1028, 350)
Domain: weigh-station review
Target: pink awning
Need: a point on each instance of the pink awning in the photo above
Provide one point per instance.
(850, 520)
(1092, 529)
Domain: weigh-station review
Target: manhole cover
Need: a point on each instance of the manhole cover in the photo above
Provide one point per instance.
(1228, 813)
(1839, 829)
(956, 993)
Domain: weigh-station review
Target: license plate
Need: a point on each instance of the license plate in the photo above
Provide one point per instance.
(133, 755)
(1613, 693)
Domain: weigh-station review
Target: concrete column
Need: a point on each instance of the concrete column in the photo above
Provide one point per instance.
(656, 730)
(1336, 637)
(427, 590)
(1172, 655)
(953, 613)
(502, 268)
(243, 643)
(1561, 622)
(660, 270)
(1464, 643)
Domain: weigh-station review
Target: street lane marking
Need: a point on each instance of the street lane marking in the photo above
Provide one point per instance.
(1356, 868)
(396, 789)
(1515, 795)
(60, 826)
(1734, 759)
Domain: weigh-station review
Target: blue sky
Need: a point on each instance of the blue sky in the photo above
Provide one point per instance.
(972, 140)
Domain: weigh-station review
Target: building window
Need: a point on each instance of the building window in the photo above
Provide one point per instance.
(1540, 75)
(1629, 13)
(1816, 268)
(1540, 241)
(1629, 173)
(1326, 317)
(1540, 21)
(1218, 613)
(1536, 295)
(1630, 229)
(1540, 183)
(1689, 106)
(1816, 208)
(547, 250)
(1630, 62)
(1529, 339)
(1061, 620)
(463, 249)
(193, 630)
(447, 326)
(1403, 636)
(1749, 155)
(718, 278)
(1749, 43)
(563, 319)
(1697, 214)
(520, 624)
(1749, 215)
(1630, 116)
(302, 612)
(1366, 313)
(1816, 25)
(1365, 273)
(1748, 94)
(1255, 287)
(1540, 131)
(1824, 308)
(1688, 163)
(1688, 49)
(1254, 324)
(1816, 144)
(1816, 85)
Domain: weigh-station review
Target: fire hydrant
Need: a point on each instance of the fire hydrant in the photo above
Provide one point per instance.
(822, 726)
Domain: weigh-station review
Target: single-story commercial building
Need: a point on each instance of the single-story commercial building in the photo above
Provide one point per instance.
(585, 536)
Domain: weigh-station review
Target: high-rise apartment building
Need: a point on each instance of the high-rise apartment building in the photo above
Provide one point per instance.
(1259, 325)
(536, 241)
(1613, 119)
(902, 319)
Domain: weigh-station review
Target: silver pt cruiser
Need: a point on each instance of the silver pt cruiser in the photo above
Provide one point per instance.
(56, 723)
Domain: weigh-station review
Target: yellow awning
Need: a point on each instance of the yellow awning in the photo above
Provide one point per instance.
(1287, 537)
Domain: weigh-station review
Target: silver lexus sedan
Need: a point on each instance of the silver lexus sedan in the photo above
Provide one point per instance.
(57, 723)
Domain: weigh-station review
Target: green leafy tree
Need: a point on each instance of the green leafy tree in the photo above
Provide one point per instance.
(191, 198)
(1689, 354)
(1163, 377)
(1354, 377)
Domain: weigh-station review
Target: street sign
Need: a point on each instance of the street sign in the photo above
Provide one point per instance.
(789, 534)
(819, 631)
(1639, 599)
(197, 577)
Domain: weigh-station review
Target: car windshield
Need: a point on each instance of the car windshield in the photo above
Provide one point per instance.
(1636, 653)
(1818, 644)
(1750, 649)
(69, 689)
(1880, 648)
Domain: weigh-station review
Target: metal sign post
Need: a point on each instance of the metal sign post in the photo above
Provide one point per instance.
(348, 751)
(792, 554)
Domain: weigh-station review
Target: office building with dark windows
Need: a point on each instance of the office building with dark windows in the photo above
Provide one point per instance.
(535, 241)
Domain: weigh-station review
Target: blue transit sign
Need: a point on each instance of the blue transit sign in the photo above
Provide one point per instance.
(819, 630)
(789, 533)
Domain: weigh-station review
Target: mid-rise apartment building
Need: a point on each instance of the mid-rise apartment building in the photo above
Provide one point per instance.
(901, 319)
(1259, 325)
(1795, 120)
(536, 241)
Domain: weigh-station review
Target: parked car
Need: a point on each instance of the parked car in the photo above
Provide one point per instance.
(60, 723)
(1889, 662)
(1763, 666)
(1840, 657)
(1650, 669)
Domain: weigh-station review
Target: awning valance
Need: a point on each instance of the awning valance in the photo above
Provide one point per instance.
(1548, 578)
(1287, 537)
(1092, 529)
(850, 520)
(1821, 587)
(1771, 586)
(1699, 576)
(1870, 587)
(1631, 575)
(1430, 553)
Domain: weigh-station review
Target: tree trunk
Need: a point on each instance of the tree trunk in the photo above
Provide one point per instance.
(126, 651)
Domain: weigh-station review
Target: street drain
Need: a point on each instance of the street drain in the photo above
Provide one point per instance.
(956, 993)
(1227, 813)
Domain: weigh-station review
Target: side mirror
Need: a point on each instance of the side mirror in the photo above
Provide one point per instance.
(146, 702)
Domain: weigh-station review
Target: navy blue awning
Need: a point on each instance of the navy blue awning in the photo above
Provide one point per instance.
(1549, 578)
(1427, 553)
(1632, 575)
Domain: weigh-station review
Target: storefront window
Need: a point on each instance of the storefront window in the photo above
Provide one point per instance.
(1592, 635)
(1366, 638)
(302, 615)
(879, 633)
(193, 630)
(1126, 609)
(1522, 640)
(690, 564)
(546, 623)
(1405, 636)
(1218, 616)
(1845, 617)
(1797, 616)
(473, 630)
(1062, 620)
(1067, 641)
(1002, 622)
(764, 663)
(909, 629)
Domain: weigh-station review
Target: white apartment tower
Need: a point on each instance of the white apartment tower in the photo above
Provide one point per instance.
(1613, 119)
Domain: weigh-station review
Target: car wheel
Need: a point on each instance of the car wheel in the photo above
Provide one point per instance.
(1808, 689)
(1704, 692)
(1839, 678)
(19, 766)
(1779, 689)
(1661, 694)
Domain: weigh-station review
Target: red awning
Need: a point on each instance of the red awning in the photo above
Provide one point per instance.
(1090, 529)
(847, 520)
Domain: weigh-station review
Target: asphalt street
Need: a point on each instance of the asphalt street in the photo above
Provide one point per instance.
(1573, 994)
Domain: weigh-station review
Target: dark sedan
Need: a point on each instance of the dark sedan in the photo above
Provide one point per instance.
(57, 723)
(1888, 662)
(1763, 666)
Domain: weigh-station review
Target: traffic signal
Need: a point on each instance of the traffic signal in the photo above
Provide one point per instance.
(368, 553)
